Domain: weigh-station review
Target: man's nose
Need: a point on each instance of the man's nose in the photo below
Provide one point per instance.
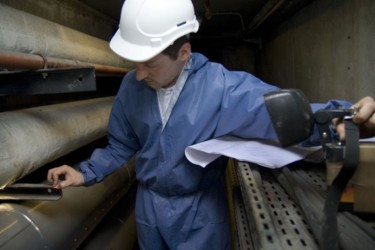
(141, 72)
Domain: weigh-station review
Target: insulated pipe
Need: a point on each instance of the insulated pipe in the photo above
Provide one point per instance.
(17, 60)
(65, 223)
(30, 138)
(26, 33)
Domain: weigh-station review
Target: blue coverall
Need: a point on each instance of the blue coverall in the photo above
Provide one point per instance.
(180, 205)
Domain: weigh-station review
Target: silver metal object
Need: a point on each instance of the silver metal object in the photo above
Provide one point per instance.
(30, 191)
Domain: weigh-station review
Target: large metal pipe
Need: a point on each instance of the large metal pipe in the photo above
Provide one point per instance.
(26, 33)
(62, 224)
(118, 229)
(30, 138)
(16, 60)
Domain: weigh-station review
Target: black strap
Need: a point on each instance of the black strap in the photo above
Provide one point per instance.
(330, 233)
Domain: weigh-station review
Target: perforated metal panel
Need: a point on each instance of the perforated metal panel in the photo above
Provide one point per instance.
(274, 220)
(308, 181)
(283, 209)
(244, 236)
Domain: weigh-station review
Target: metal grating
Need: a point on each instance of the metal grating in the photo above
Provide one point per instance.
(310, 191)
(244, 236)
(275, 221)
(282, 209)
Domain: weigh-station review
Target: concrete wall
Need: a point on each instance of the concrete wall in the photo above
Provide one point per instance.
(327, 50)
(239, 58)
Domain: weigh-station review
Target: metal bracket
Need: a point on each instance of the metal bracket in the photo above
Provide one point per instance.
(30, 191)
(47, 81)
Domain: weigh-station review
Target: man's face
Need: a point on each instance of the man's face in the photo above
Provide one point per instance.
(161, 71)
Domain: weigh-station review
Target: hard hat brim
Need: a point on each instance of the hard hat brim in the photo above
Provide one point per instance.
(133, 52)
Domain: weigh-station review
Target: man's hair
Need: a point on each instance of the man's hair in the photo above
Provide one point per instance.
(172, 50)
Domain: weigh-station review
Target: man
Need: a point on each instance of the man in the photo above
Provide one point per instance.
(172, 100)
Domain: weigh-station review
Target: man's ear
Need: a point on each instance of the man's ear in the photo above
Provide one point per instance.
(184, 52)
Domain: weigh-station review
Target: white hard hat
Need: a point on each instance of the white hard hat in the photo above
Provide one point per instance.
(147, 27)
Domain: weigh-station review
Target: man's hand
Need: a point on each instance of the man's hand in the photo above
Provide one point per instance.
(70, 177)
(365, 118)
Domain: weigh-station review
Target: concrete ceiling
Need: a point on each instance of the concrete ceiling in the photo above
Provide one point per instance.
(111, 8)
(249, 7)
(256, 16)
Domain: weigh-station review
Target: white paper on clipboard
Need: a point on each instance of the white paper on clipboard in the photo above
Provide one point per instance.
(262, 152)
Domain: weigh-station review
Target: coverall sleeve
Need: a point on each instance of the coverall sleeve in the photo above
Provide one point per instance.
(122, 145)
(243, 112)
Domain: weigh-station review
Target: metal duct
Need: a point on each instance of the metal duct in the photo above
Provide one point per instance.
(26, 33)
(30, 138)
(62, 224)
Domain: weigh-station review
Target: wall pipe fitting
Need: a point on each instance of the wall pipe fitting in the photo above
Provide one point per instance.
(30, 138)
